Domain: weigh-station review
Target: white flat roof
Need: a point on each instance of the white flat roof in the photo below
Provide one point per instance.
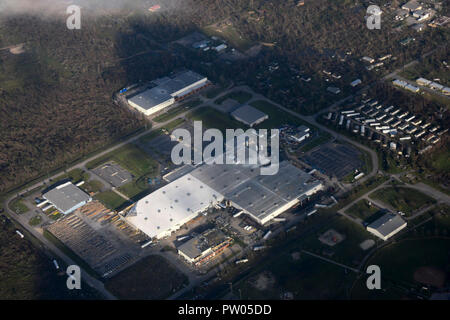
(171, 206)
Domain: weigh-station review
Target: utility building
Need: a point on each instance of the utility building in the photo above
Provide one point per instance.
(67, 197)
(249, 115)
(387, 226)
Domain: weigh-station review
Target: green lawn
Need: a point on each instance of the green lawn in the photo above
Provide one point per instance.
(92, 186)
(111, 200)
(173, 124)
(137, 188)
(212, 92)
(306, 278)
(150, 136)
(402, 199)
(348, 251)
(35, 220)
(211, 118)
(277, 117)
(362, 210)
(151, 278)
(129, 157)
(18, 206)
(239, 96)
(177, 110)
(411, 254)
(75, 175)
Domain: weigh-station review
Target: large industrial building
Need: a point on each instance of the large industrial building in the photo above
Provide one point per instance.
(262, 197)
(167, 91)
(67, 197)
(168, 208)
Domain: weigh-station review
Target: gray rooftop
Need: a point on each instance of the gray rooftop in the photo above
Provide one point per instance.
(165, 88)
(195, 247)
(151, 97)
(66, 196)
(257, 194)
(387, 224)
(249, 115)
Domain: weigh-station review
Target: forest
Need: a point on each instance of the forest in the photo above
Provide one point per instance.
(56, 96)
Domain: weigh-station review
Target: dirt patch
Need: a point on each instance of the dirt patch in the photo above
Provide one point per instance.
(331, 238)
(264, 281)
(19, 49)
(430, 276)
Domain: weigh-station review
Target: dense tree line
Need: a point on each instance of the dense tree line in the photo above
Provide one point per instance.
(56, 98)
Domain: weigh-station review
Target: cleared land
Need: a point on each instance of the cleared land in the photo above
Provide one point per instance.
(151, 278)
(403, 199)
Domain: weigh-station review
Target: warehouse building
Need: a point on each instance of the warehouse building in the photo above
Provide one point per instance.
(387, 226)
(168, 208)
(204, 246)
(249, 115)
(302, 133)
(193, 190)
(261, 197)
(167, 91)
(67, 197)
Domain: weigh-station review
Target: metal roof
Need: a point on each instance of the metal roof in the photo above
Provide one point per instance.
(166, 89)
(249, 115)
(387, 224)
(66, 196)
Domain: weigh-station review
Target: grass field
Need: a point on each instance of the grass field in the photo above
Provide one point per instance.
(362, 210)
(151, 278)
(92, 186)
(239, 96)
(406, 200)
(212, 92)
(75, 175)
(277, 117)
(348, 251)
(305, 278)
(177, 110)
(129, 157)
(136, 189)
(35, 220)
(18, 206)
(411, 254)
(173, 124)
(211, 118)
(111, 200)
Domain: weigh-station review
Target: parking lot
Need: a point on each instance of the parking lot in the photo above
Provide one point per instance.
(334, 159)
(113, 174)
